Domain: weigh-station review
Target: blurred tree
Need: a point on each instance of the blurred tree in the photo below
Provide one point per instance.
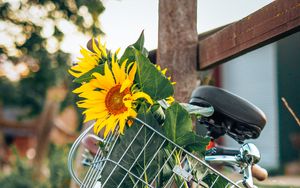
(34, 58)
(32, 33)
(22, 173)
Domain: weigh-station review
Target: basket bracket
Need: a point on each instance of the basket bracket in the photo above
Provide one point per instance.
(182, 173)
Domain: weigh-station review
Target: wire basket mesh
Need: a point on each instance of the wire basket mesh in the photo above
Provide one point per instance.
(148, 159)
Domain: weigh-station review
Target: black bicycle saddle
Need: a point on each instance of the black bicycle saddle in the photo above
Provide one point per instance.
(233, 115)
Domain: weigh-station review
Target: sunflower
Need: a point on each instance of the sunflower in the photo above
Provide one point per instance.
(111, 99)
(89, 59)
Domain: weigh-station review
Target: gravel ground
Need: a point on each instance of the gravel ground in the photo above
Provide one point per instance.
(281, 182)
(271, 182)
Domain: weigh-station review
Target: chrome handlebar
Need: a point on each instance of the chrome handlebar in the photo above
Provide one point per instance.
(248, 156)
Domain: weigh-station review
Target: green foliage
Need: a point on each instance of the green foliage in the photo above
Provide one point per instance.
(22, 173)
(39, 26)
(151, 81)
(133, 152)
(179, 128)
(59, 174)
(20, 177)
(210, 179)
(129, 53)
(198, 111)
(178, 124)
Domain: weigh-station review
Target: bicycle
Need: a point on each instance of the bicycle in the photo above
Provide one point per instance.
(232, 115)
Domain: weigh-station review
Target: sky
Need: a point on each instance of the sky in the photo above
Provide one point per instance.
(123, 20)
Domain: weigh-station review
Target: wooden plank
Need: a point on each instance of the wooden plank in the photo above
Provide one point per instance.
(272, 22)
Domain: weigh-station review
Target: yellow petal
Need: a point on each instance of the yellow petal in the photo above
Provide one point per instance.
(76, 75)
(158, 67)
(108, 75)
(128, 67)
(76, 68)
(92, 116)
(86, 53)
(117, 71)
(95, 83)
(89, 60)
(98, 126)
(132, 72)
(127, 101)
(126, 84)
(93, 95)
(94, 110)
(90, 104)
(102, 47)
(95, 47)
(138, 95)
(117, 51)
(122, 123)
(132, 113)
(84, 87)
(103, 83)
(111, 123)
(123, 73)
(170, 100)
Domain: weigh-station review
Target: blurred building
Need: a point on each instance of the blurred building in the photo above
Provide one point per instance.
(262, 77)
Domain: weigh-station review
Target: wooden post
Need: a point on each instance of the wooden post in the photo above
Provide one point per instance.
(177, 44)
(54, 97)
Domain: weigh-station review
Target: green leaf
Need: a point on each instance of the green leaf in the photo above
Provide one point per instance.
(197, 144)
(190, 138)
(158, 113)
(178, 127)
(133, 153)
(88, 76)
(139, 44)
(198, 110)
(209, 179)
(178, 124)
(129, 53)
(152, 81)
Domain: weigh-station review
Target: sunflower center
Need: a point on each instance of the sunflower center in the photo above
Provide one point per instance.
(114, 100)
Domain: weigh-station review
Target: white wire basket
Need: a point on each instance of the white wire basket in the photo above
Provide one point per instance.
(144, 161)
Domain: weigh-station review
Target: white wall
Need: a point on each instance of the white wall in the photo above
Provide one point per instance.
(253, 77)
